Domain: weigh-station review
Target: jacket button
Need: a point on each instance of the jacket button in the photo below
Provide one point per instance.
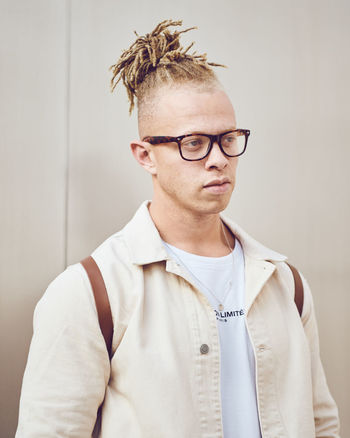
(204, 349)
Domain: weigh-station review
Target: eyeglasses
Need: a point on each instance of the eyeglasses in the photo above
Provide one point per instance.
(195, 147)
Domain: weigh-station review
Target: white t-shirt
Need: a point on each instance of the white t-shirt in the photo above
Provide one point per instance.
(224, 278)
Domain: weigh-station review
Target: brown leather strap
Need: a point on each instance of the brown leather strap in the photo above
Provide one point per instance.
(101, 299)
(299, 289)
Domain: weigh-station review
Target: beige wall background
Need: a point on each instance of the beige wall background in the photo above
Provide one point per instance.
(67, 178)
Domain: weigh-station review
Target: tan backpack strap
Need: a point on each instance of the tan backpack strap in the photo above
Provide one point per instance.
(101, 299)
(299, 289)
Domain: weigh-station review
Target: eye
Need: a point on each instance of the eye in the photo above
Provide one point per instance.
(193, 142)
(230, 138)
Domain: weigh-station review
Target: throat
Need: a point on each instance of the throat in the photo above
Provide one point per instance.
(204, 236)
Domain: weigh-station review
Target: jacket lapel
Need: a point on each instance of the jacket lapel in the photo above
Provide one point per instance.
(259, 262)
(257, 272)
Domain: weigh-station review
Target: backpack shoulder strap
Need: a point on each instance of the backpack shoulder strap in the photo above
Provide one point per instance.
(299, 289)
(101, 299)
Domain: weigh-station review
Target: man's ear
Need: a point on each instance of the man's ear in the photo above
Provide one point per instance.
(142, 152)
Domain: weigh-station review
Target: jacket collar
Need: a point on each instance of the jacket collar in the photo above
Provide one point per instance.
(145, 244)
(252, 247)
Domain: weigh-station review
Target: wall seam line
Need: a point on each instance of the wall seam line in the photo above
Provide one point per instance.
(68, 113)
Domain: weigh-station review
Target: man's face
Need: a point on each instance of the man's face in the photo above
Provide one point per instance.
(200, 187)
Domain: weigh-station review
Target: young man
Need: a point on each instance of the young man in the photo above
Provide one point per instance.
(207, 339)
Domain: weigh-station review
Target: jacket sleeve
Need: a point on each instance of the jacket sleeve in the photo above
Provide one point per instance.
(325, 409)
(68, 365)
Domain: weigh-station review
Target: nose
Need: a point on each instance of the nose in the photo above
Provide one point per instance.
(216, 158)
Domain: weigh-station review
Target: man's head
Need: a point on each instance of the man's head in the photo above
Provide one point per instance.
(177, 182)
(179, 94)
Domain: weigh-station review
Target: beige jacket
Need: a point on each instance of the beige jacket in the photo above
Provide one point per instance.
(159, 383)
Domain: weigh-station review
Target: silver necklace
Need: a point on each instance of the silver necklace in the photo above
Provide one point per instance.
(221, 306)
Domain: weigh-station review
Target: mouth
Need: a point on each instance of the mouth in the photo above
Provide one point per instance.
(218, 186)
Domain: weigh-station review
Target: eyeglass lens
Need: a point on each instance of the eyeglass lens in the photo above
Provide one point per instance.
(196, 146)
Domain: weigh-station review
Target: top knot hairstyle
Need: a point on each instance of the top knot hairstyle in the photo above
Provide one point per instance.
(157, 59)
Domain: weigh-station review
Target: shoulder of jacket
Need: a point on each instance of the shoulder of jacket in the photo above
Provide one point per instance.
(113, 249)
(287, 278)
(71, 287)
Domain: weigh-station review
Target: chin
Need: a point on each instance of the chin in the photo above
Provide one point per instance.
(213, 206)
(218, 209)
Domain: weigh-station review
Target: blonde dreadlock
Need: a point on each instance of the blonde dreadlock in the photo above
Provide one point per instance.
(158, 58)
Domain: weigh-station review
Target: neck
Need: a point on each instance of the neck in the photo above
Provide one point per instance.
(201, 234)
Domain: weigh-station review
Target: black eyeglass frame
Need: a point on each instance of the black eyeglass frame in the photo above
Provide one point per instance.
(213, 139)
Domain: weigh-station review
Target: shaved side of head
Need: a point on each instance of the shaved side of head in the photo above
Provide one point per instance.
(151, 104)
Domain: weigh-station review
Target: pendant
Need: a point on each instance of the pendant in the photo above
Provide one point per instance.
(221, 307)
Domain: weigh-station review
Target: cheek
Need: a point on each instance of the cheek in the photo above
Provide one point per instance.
(175, 176)
(233, 166)
(176, 179)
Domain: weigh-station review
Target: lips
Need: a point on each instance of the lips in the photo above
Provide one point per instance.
(217, 182)
(218, 187)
